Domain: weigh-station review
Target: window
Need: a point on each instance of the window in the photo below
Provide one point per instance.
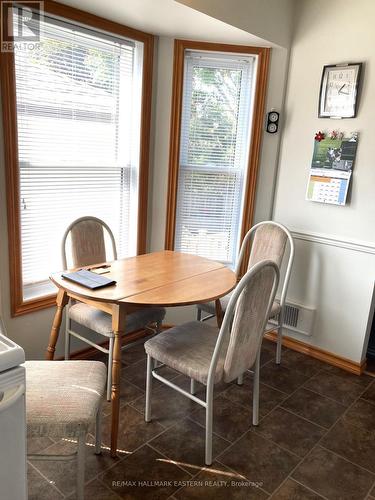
(78, 100)
(211, 179)
(213, 155)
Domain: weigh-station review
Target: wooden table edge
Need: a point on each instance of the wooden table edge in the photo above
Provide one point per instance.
(84, 293)
(213, 298)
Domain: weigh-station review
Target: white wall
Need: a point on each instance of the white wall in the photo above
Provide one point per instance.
(338, 281)
(268, 19)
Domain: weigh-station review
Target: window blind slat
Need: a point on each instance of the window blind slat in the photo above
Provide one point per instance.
(214, 143)
(78, 105)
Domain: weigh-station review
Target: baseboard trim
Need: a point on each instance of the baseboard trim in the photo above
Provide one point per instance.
(317, 353)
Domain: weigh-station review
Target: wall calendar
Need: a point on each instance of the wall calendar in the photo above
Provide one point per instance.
(331, 168)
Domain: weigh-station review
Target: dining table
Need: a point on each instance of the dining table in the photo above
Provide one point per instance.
(158, 279)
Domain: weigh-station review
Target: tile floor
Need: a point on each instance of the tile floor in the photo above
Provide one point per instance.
(315, 439)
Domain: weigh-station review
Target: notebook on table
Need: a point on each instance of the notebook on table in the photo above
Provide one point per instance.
(88, 279)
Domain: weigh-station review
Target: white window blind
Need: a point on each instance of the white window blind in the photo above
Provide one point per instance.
(78, 116)
(216, 119)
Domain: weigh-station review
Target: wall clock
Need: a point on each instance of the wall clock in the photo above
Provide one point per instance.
(339, 90)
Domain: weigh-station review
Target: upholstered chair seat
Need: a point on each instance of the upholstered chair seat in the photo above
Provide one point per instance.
(101, 322)
(63, 399)
(188, 348)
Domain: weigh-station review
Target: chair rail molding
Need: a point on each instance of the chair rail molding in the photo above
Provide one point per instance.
(335, 241)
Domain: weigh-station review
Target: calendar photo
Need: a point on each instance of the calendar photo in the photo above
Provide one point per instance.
(331, 169)
(338, 154)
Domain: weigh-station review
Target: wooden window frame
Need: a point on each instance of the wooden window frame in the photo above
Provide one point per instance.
(256, 134)
(8, 91)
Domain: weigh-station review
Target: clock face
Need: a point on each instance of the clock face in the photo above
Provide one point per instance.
(339, 91)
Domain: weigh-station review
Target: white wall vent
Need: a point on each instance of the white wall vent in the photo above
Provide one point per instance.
(297, 318)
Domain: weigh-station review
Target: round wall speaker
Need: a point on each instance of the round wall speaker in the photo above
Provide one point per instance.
(272, 125)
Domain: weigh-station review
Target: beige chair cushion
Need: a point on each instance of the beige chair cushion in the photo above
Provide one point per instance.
(62, 397)
(209, 307)
(88, 245)
(249, 321)
(188, 348)
(269, 244)
(101, 322)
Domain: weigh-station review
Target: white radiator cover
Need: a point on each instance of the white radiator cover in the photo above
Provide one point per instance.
(297, 318)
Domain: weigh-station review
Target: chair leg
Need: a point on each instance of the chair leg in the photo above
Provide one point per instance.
(81, 466)
(67, 335)
(209, 417)
(193, 388)
(240, 379)
(278, 345)
(110, 362)
(199, 314)
(98, 431)
(150, 364)
(256, 390)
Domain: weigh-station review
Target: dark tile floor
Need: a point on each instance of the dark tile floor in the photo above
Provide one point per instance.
(315, 439)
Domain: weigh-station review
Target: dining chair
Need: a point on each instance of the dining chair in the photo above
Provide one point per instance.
(88, 247)
(269, 240)
(63, 399)
(206, 355)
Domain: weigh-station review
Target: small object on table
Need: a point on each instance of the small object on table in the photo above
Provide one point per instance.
(88, 279)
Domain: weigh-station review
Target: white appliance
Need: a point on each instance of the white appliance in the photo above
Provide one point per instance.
(13, 480)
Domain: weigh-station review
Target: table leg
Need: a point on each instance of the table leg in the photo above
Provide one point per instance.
(61, 301)
(118, 327)
(219, 312)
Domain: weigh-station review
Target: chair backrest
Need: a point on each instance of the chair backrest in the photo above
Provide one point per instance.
(269, 243)
(87, 242)
(245, 320)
